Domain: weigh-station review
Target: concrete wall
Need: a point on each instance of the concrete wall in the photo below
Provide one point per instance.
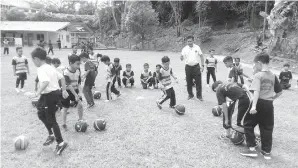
(65, 38)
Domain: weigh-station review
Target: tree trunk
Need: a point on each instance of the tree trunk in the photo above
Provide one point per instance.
(264, 24)
(114, 17)
(252, 16)
(176, 6)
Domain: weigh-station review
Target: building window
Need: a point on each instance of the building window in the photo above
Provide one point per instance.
(67, 38)
(40, 37)
(72, 34)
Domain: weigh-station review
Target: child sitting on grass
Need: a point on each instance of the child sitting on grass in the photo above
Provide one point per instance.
(146, 78)
(128, 75)
(285, 77)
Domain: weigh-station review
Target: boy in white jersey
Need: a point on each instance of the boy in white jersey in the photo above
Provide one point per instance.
(128, 76)
(20, 69)
(164, 76)
(146, 77)
(72, 77)
(211, 64)
(49, 92)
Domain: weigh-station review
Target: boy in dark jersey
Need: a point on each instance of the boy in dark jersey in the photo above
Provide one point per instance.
(285, 77)
(118, 69)
(266, 89)
(239, 95)
(232, 75)
(146, 77)
(128, 75)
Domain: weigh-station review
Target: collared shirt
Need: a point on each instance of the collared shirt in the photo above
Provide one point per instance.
(47, 73)
(191, 55)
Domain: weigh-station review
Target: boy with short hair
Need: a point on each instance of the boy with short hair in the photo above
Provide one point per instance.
(239, 69)
(164, 76)
(128, 75)
(146, 77)
(74, 51)
(57, 64)
(285, 77)
(232, 74)
(158, 67)
(118, 69)
(211, 64)
(110, 76)
(266, 88)
(72, 77)
(89, 76)
(6, 46)
(50, 94)
(240, 95)
(20, 69)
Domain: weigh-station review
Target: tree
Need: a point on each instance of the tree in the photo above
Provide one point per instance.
(177, 9)
(15, 14)
(142, 20)
(202, 8)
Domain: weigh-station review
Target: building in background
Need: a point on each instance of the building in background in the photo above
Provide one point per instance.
(32, 32)
(22, 5)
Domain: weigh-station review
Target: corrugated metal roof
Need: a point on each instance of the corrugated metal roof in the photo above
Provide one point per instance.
(16, 3)
(32, 26)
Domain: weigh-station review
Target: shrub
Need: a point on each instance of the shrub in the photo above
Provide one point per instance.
(204, 34)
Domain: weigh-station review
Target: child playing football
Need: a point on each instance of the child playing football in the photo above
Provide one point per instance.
(239, 94)
(156, 82)
(164, 76)
(232, 74)
(128, 75)
(48, 61)
(49, 92)
(72, 77)
(89, 77)
(146, 77)
(20, 69)
(239, 69)
(285, 77)
(110, 76)
(266, 89)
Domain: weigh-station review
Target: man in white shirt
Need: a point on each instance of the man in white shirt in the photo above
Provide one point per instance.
(193, 56)
(49, 92)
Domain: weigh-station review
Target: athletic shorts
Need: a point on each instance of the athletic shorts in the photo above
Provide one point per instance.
(22, 76)
(66, 102)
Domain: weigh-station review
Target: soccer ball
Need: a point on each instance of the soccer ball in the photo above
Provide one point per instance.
(216, 111)
(180, 109)
(21, 142)
(97, 95)
(81, 126)
(99, 124)
(237, 138)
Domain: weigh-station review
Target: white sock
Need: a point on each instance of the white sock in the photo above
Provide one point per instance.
(52, 135)
(60, 144)
(252, 148)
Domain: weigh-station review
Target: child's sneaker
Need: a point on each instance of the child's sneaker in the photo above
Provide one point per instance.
(249, 152)
(207, 85)
(173, 107)
(224, 137)
(266, 155)
(90, 105)
(22, 90)
(158, 105)
(60, 148)
(49, 140)
(17, 90)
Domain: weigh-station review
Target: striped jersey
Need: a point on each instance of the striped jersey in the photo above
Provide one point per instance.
(211, 62)
(20, 63)
(165, 77)
(72, 78)
(146, 75)
(128, 74)
(111, 72)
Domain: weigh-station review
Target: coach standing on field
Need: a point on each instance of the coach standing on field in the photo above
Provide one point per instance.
(193, 56)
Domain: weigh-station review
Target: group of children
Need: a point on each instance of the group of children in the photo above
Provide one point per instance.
(254, 103)
(58, 86)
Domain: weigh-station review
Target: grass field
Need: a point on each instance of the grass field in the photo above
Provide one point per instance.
(138, 134)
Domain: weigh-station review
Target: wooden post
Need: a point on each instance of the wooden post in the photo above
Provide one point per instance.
(264, 24)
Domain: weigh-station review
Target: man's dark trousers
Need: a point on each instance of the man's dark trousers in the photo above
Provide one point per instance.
(193, 72)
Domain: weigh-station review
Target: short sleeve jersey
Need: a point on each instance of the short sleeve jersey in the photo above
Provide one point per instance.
(211, 62)
(285, 77)
(165, 77)
(47, 73)
(21, 63)
(233, 73)
(111, 72)
(72, 78)
(146, 75)
(128, 74)
(267, 84)
(5, 44)
(91, 75)
(118, 69)
(232, 91)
